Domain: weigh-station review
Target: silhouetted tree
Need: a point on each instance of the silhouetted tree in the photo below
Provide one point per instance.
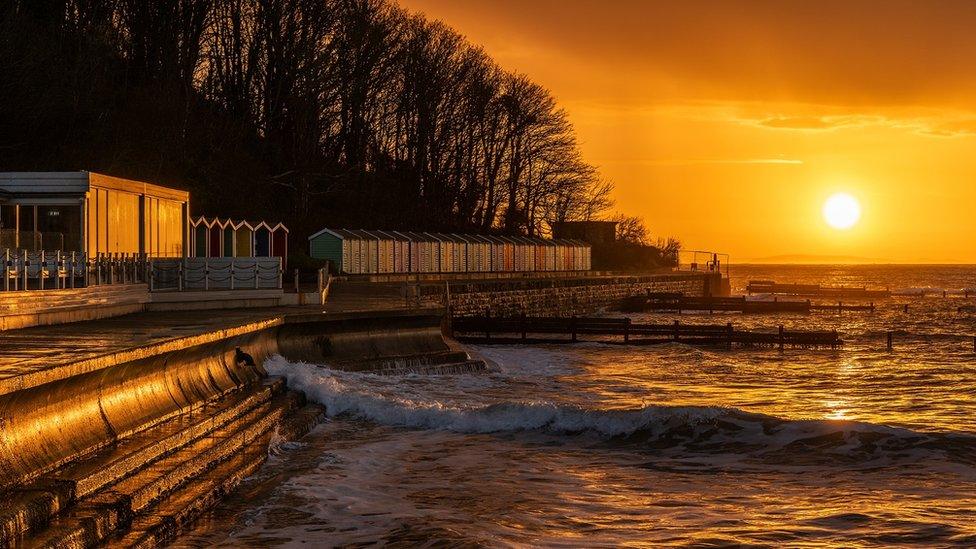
(318, 112)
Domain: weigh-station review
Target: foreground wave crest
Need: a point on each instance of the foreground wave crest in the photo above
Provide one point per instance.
(706, 430)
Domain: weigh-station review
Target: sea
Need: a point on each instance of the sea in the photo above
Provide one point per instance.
(600, 445)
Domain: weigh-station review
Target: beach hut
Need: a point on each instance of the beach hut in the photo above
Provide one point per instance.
(441, 259)
(484, 253)
(550, 256)
(559, 263)
(509, 249)
(279, 243)
(470, 253)
(227, 238)
(412, 253)
(517, 256)
(430, 252)
(340, 247)
(215, 239)
(527, 253)
(459, 250)
(243, 239)
(541, 247)
(354, 245)
(400, 251)
(384, 251)
(497, 253)
(262, 240)
(369, 251)
(198, 236)
(570, 255)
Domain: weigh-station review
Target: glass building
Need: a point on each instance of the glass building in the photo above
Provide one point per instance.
(91, 212)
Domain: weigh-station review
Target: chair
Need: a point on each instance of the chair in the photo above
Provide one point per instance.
(11, 268)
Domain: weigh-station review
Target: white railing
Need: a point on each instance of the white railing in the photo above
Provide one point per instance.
(215, 273)
(56, 270)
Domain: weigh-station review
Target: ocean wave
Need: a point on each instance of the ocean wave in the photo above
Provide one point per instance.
(698, 429)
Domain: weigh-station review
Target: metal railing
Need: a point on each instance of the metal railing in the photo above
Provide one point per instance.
(215, 273)
(703, 261)
(47, 270)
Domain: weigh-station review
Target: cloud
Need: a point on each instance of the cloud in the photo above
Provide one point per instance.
(952, 128)
(861, 53)
(710, 161)
(947, 124)
(755, 161)
(816, 123)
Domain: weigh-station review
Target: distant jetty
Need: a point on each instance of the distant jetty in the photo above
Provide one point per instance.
(814, 290)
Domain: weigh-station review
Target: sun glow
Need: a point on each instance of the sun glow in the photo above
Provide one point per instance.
(842, 211)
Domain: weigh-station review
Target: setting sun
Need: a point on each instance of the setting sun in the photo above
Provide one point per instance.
(842, 211)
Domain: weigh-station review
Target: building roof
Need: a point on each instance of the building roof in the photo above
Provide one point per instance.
(78, 183)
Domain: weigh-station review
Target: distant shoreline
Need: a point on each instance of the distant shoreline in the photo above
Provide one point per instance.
(843, 260)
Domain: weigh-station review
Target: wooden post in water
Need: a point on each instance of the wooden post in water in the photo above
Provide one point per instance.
(677, 335)
(627, 331)
(906, 308)
(781, 337)
(889, 341)
(573, 326)
(728, 335)
(522, 324)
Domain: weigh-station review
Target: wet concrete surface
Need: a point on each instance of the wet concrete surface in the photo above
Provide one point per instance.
(33, 356)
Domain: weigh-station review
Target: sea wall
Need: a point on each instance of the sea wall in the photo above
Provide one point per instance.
(74, 409)
(125, 438)
(568, 297)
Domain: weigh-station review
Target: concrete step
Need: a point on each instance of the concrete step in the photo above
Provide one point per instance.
(31, 508)
(177, 513)
(110, 511)
(144, 447)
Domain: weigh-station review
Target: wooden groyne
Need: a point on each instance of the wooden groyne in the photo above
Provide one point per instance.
(815, 290)
(523, 329)
(678, 303)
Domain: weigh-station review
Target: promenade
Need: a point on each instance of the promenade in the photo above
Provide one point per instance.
(34, 356)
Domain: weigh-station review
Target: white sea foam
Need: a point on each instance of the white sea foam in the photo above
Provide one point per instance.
(706, 428)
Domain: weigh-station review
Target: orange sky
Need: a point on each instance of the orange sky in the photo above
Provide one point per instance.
(728, 123)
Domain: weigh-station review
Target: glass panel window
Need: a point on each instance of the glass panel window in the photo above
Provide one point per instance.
(59, 227)
(8, 226)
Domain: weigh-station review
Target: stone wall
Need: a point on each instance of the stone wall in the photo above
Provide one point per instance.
(566, 297)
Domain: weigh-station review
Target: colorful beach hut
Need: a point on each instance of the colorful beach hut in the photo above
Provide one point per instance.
(243, 239)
